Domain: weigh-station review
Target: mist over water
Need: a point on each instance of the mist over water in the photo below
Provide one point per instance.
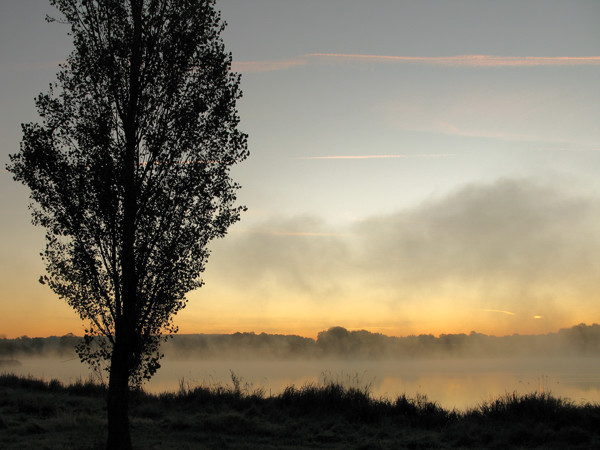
(457, 371)
(453, 383)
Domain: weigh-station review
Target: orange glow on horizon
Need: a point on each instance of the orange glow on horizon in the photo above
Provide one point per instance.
(76, 327)
(39, 313)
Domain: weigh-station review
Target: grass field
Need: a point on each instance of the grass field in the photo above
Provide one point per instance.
(37, 414)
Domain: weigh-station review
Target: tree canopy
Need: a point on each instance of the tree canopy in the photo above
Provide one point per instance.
(129, 169)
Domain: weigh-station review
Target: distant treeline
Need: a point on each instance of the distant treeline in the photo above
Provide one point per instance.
(338, 342)
(63, 346)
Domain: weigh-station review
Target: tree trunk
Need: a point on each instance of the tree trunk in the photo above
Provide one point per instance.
(119, 437)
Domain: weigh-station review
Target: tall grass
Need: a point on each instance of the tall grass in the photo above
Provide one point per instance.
(88, 387)
(338, 413)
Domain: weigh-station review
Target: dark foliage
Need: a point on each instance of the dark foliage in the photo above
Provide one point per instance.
(129, 170)
(129, 173)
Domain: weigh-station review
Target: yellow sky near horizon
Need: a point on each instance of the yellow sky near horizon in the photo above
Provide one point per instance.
(37, 312)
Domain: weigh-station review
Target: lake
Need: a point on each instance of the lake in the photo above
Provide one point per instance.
(453, 383)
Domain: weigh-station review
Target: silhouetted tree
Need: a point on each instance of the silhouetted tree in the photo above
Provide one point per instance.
(336, 341)
(129, 174)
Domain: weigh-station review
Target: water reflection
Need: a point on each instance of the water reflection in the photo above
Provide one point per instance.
(453, 383)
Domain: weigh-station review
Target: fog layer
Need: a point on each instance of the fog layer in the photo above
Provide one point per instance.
(511, 256)
(339, 343)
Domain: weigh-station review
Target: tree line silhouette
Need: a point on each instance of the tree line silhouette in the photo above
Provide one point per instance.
(338, 342)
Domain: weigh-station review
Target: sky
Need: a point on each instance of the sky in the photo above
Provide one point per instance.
(416, 167)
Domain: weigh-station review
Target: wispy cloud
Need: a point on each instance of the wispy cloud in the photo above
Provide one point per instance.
(421, 155)
(297, 233)
(465, 60)
(269, 66)
(287, 232)
(526, 112)
(501, 311)
(475, 61)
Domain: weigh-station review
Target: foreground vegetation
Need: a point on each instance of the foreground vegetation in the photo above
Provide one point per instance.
(37, 414)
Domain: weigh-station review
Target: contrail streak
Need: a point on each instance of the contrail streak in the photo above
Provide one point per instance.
(423, 155)
(474, 61)
(468, 60)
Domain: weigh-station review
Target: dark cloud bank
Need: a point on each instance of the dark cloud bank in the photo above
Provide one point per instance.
(339, 343)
